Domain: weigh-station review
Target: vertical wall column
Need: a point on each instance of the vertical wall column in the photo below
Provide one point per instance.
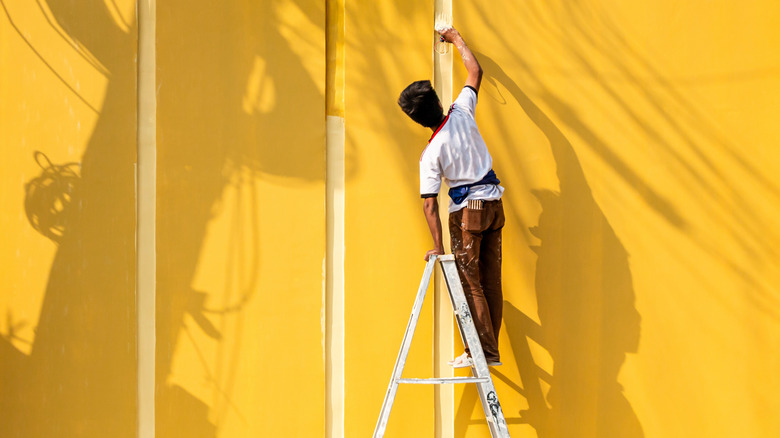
(146, 186)
(334, 186)
(443, 335)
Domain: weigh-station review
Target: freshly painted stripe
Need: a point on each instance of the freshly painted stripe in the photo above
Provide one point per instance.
(146, 212)
(334, 302)
(334, 329)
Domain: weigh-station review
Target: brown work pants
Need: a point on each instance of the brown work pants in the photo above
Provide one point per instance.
(476, 244)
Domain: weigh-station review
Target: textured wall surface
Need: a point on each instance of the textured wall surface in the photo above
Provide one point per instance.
(638, 152)
(641, 267)
(637, 143)
(387, 45)
(67, 193)
(240, 218)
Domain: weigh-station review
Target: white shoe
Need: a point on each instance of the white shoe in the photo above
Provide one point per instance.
(461, 361)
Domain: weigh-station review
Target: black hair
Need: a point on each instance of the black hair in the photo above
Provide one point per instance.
(420, 102)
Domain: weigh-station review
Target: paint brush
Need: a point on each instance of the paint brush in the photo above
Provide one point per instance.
(441, 22)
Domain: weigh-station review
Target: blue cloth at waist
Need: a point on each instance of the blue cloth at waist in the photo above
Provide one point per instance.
(458, 194)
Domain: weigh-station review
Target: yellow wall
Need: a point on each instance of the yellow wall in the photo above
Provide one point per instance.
(240, 227)
(387, 43)
(637, 146)
(68, 92)
(636, 143)
(241, 218)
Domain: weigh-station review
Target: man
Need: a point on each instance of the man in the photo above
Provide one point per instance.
(457, 153)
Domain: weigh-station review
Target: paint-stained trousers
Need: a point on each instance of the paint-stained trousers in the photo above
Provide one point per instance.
(476, 244)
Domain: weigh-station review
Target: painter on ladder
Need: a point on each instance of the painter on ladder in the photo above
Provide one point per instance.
(457, 153)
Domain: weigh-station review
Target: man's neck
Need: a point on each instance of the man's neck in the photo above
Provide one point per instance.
(434, 128)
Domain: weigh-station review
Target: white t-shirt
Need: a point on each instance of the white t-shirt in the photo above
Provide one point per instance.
(457, 153)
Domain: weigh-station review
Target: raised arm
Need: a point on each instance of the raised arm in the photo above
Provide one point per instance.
(451, 35)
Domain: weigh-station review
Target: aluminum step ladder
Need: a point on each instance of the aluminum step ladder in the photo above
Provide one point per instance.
(479, 368)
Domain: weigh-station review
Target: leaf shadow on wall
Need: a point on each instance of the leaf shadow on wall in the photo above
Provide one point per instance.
(686, 139)
(584, 289)
(81, 378)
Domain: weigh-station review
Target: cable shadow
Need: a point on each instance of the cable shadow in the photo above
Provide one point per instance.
(48, 197)
(80, 377)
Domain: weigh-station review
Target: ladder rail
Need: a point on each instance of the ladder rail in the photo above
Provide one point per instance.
(400, 361)
(470, 337)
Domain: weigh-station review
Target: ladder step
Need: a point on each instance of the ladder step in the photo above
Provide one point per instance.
(445, 380)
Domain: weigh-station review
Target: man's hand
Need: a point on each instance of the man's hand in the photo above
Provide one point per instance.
(450, 35)
(435, 251)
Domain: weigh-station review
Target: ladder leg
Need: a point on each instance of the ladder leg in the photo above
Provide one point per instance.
(381, 425)
(487, 392)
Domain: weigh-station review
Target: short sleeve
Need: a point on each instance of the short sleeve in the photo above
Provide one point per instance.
(430, 175)
(467, 100)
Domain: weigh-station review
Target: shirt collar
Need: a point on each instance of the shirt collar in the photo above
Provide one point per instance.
(440, 125)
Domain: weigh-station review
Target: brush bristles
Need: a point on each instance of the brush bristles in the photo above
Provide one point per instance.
(442, 22)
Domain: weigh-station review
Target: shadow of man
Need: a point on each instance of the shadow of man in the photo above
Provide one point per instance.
(588, 320)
